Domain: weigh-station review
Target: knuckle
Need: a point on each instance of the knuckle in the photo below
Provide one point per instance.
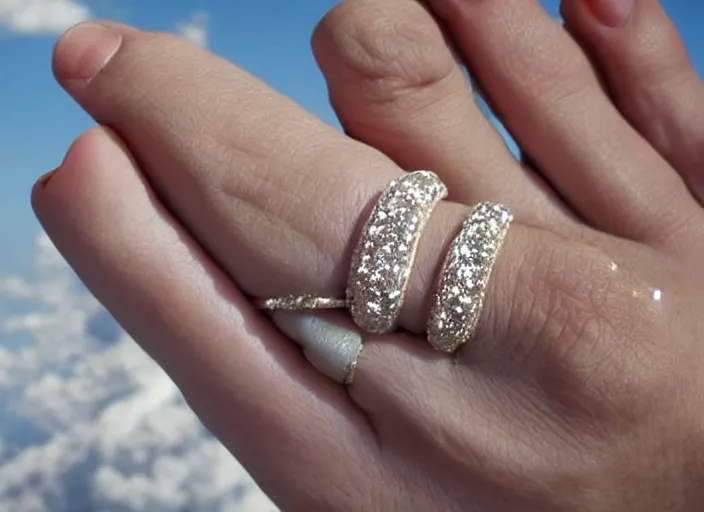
(389, 50)
(568, 85)
(585, 331)
(554, 71)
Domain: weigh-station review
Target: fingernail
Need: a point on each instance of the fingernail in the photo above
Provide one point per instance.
(44, 178)
(83, 51)
(612, 13)
(330, 347)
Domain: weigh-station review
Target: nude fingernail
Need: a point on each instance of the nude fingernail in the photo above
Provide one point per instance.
(612, 13)
(44, 178)
(83, 51)
(330, 347)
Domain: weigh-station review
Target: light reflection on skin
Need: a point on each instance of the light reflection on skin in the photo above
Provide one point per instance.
(656, 295)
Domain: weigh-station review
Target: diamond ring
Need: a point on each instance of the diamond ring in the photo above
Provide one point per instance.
(384, 257)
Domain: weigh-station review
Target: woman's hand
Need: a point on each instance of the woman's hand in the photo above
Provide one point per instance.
(582, 389)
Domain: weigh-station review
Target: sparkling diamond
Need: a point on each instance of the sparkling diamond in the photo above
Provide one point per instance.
(459, 298)
(375, 293)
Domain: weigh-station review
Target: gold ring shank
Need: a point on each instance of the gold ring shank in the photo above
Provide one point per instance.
(459, 298)
(352, 368)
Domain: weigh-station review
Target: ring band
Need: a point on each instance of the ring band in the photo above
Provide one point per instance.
(466, 272)
(384, 256)
(299, 303)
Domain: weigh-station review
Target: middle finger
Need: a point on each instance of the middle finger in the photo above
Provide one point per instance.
(395, 85)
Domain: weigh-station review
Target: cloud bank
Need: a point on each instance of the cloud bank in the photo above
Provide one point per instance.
(41, 17)
(88, 421)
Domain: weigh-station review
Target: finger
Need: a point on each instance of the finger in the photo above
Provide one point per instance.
(274, 195)
(395, 84)
(248, 383)
(650, 77)
(545, 91)
(403, 386)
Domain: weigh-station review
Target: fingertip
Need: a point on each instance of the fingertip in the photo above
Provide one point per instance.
(610, 13)
(94, 151)
(84, 50)
(318, 35)
(47, 180)
(579, 16)
(38, 191)
(43, 180)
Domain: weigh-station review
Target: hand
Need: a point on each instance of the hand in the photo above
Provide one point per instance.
(582, 388)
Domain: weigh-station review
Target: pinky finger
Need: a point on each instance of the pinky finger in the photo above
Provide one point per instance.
(247, 382)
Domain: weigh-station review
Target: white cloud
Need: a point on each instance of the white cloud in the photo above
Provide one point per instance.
(41, 16)
(89, 422)
(195, 28)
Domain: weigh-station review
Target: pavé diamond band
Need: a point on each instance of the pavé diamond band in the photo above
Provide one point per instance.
(384, 257)
(463, 282)
(382, 262)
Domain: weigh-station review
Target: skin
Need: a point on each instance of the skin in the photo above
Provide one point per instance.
(582, 390)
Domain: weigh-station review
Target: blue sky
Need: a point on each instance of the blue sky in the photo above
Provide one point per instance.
(38, 121)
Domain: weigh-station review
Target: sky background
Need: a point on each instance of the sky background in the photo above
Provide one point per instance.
(87, 422)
